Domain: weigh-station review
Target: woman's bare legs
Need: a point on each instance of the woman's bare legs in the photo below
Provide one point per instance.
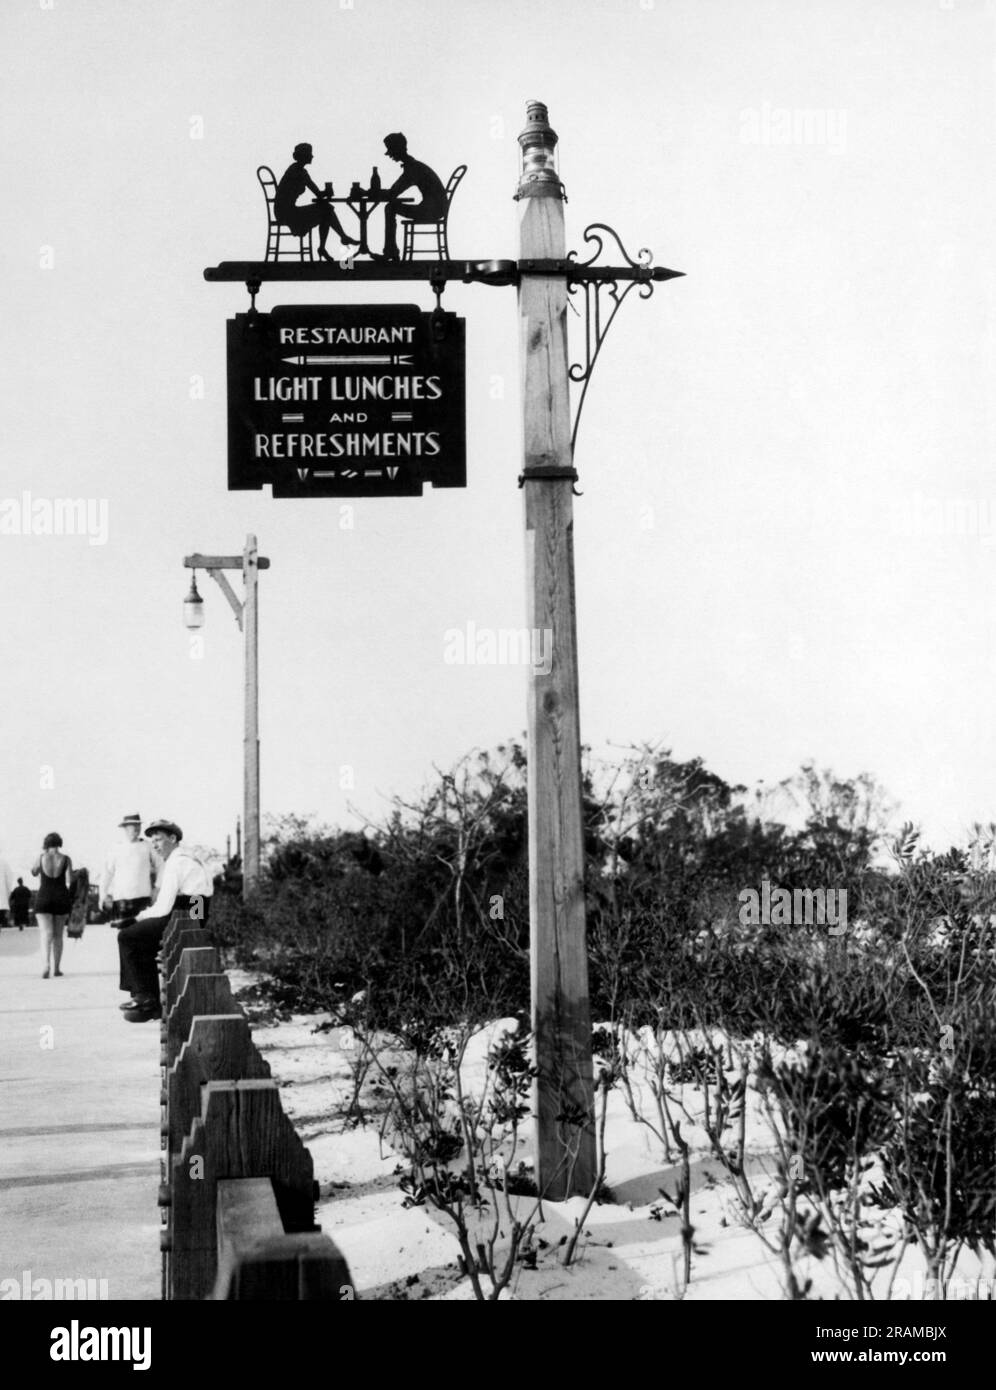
(58, 938)
(45, 934)
(329, 221)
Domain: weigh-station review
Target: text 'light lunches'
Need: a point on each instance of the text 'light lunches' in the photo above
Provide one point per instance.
(346, 400)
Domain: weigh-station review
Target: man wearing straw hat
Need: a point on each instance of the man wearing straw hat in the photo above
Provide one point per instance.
(129, 870)
(183, 883)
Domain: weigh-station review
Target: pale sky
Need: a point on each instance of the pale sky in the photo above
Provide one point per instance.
(787, 539)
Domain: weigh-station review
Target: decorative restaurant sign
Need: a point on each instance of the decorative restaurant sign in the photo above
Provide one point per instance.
(336, 400)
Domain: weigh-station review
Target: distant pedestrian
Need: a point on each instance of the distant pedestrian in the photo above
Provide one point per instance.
(6, 883)
(129, 870)
(20, 904)
(54, 901)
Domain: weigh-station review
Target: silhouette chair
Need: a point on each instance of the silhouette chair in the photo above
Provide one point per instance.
(439, 250)
(274, 229)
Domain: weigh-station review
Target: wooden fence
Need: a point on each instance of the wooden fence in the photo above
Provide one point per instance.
(237, 1188)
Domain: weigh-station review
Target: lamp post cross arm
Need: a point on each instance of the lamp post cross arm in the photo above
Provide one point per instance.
(221, 562)
(215, 565)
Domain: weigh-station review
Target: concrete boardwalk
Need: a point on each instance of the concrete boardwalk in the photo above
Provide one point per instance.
(79, 1122)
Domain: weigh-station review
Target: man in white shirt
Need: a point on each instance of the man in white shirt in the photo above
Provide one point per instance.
(183, 883)
(129, 870)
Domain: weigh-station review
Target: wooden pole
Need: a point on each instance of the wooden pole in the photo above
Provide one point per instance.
(250, 574)
(565, 1147)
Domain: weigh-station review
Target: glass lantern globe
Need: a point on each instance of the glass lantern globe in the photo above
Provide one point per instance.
(193, 607)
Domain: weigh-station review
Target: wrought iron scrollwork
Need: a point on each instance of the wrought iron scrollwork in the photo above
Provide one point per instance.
(598, 314)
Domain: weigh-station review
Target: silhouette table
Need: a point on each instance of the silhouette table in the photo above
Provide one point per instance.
(363, 206)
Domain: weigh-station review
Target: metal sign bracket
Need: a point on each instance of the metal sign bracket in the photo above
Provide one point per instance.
(604, 288)
(600, 284)
(603, 298)
(437, 283)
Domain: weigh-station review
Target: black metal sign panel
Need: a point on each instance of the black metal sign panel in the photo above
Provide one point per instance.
(346, 400)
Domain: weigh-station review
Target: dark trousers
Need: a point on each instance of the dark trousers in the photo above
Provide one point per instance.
(138, 946)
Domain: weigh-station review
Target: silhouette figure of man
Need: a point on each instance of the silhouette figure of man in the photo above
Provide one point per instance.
(295, 182)
(413, 175)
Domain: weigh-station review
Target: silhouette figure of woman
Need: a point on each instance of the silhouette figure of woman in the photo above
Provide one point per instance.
(294, 183)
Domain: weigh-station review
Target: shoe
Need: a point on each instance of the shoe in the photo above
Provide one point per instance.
(57, 973)
(142, 1013)
(128, 1004)
(44, 974)
(349, 240)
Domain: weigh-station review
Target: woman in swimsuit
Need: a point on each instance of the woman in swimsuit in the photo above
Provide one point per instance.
(54, 900)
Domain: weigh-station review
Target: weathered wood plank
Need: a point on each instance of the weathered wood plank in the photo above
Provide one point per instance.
(250, 757)
(257, 1260)
(285, 1268)
(188, 938)
(195, 960)
(201, 994)
(177, 922)
(219, 1048)
(565, 1158)
(242, 1132)
(247, 1211)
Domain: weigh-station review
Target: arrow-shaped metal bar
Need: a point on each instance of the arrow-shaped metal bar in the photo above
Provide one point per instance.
(383, 359)
(494, 272)
(485, 272)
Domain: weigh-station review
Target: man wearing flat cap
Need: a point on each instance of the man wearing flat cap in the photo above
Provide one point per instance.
(182, 883)
(129, 871)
